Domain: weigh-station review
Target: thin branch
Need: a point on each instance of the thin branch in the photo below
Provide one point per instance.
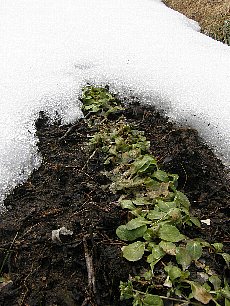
(90, 269)
(91, 156)
(7, 254)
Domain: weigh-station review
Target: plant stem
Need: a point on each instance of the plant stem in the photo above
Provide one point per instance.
(7, 254)
(170, 298)
(178, 300)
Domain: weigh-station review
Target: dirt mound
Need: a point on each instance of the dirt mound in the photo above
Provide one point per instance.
(69, 190)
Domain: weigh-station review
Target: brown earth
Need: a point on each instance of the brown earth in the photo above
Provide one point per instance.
(69, 190)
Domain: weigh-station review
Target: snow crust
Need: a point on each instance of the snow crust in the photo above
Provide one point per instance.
(51, 48)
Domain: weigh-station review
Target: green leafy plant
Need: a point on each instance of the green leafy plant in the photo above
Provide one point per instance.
(98, 99)
(158, 215)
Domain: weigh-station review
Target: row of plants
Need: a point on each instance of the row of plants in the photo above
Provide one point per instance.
(157, 215)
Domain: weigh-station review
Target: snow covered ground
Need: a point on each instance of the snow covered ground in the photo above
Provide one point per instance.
(49, 49)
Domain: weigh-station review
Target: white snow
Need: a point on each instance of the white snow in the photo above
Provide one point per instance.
(49, 49)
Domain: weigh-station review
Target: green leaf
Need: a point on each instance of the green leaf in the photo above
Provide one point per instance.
(113, 109)
(129, 235)
(183, 257)
(148, 235)
(156, 255)
(144, 163)
(168, 283)
(137, 300)
(226, 293)
(126, 290)
(181, 199)
(127, 204)
(141, 201)
(161, 176)
(226, 290)
(150, 246)
(202, 242)
(148, 275)
(218, 247)
(194, 249)
(156, 215)
(173, 178)
(173, 272)
(168, 247)
(185, 275)
(136, 222)
(215, 280)
(195, 221)
(200, 293)
(134, 251)
(170, 233)
(113, 150)
(226, 257)
(152, 184)
(152, 232)
(152, 300)
(157, 252)
(165, 206)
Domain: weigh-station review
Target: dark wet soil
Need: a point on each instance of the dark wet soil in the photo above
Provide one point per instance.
(69, 190)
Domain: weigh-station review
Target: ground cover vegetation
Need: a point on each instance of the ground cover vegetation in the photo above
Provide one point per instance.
(212, 15)
(112, 215)
(157, 214)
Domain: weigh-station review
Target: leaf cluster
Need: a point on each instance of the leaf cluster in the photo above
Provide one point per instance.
(99, 100)
(158, 213)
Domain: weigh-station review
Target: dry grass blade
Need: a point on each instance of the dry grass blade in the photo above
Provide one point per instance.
(212, 15)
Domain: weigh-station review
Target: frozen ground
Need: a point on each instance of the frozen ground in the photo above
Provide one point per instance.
(51, 48)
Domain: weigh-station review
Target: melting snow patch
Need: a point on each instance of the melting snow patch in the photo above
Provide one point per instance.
(50, 49)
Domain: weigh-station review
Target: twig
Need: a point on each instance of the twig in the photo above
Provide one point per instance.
(85, 302)
(73, 128)
(90, 270)
(7, 254)
(27, 289)
(91, 156)
(186, 176)
(70, 131)
(88, 115)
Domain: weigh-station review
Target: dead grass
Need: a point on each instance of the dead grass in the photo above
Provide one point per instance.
(212, 15)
